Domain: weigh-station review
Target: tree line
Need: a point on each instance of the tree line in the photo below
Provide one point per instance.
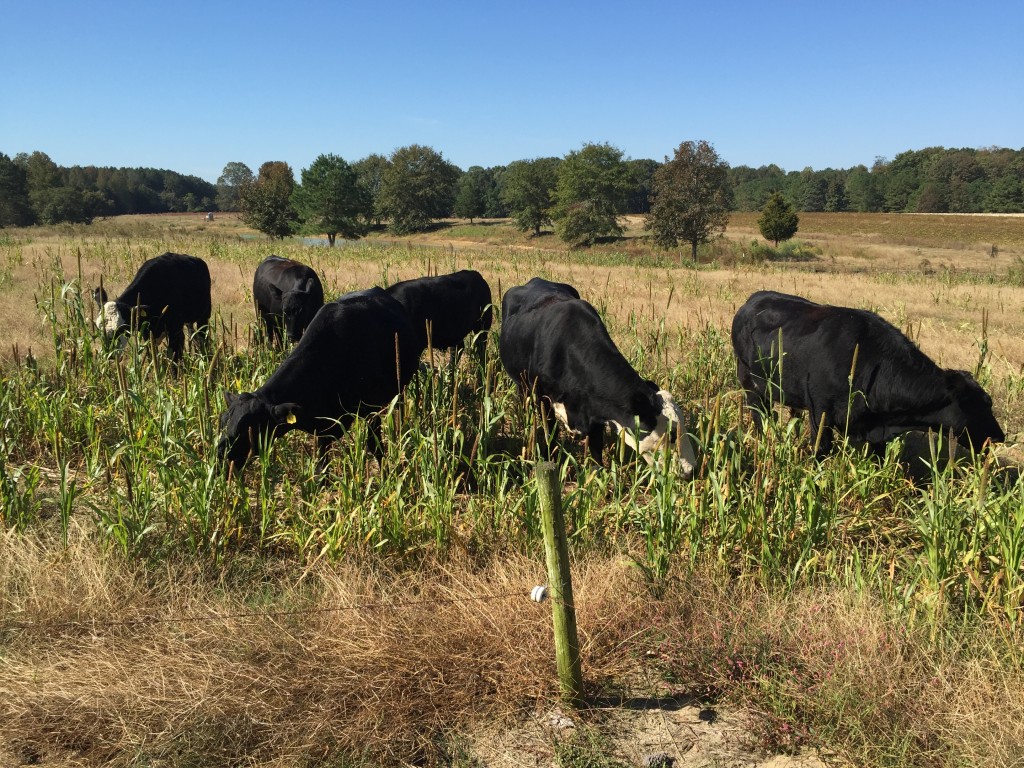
(35, 190)
(580, 195)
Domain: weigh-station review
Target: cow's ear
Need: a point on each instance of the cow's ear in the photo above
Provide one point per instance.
(100, 296)
(285, 413)
(230, 398)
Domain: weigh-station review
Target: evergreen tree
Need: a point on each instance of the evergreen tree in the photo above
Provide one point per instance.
(331, 199)
(778, 221)
(15, 208)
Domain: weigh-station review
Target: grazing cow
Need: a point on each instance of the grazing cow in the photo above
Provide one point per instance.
(287, 294)
(344, 366)
(799, 353)
(447, 308)
(167, 293)
(554, 344)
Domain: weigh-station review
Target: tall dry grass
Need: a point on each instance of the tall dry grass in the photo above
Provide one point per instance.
(273, 664)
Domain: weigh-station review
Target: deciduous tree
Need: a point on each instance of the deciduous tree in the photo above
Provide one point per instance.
(370, 171)
(528, 190)
(691, 197)
(778, 221)
(471, 197)
(417, 187)
(331, 200)
(229, 185)
(593, 185)
(266, 202)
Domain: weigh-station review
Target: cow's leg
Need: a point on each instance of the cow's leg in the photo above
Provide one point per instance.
(322, 445)
(595, 443)
(176, 342)
(275, 333)
(753, 395)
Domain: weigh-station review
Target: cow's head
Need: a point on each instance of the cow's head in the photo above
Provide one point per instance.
(298, 308)
(110, 320)
(972, 409)
(248, 425)
(659, 423)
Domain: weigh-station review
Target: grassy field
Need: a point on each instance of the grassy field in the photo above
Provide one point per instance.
(155, 612)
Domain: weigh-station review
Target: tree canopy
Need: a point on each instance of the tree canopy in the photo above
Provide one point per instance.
(15, 207)
(690, 200)
(331, 200)
(229, 185)
(471, 196)
(591, 193)
(417, 186)
(528, 190)
(370, 172)
(266, 202)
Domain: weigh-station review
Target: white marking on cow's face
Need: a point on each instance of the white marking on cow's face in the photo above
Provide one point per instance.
(650, 444)
(563, 416)
(110, 320)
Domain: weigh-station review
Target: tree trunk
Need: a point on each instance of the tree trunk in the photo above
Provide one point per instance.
(330, 238)
(693, 250)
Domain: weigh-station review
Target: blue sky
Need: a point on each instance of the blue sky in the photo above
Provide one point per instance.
(191, 86)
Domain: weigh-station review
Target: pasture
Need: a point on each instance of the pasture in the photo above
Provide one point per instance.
(154, 611)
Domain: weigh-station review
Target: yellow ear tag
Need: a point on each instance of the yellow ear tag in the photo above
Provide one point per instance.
(290, 418)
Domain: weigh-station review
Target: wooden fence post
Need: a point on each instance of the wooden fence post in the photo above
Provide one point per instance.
(567, 644)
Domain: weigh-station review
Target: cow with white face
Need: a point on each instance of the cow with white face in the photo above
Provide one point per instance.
(168, 292)
(555, 345)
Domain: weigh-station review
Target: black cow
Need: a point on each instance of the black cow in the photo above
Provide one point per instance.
(450, 306)
(554, 344)
(167, 293)
(287, 294)
(343, 366)
(799, 353)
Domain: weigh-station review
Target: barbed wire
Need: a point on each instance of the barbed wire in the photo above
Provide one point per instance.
(215, 617)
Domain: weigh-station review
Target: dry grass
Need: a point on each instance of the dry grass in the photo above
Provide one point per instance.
(106, 664)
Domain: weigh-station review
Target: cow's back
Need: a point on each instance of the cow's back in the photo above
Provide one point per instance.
(284, 275)
(559, 343)
(358, 353)
(174, 286)
(454, 305)
(523, 297)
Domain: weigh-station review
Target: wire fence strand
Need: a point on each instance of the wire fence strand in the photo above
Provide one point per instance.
(19, 626)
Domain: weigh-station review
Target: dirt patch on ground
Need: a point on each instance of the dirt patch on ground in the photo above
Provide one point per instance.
(652, 733)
